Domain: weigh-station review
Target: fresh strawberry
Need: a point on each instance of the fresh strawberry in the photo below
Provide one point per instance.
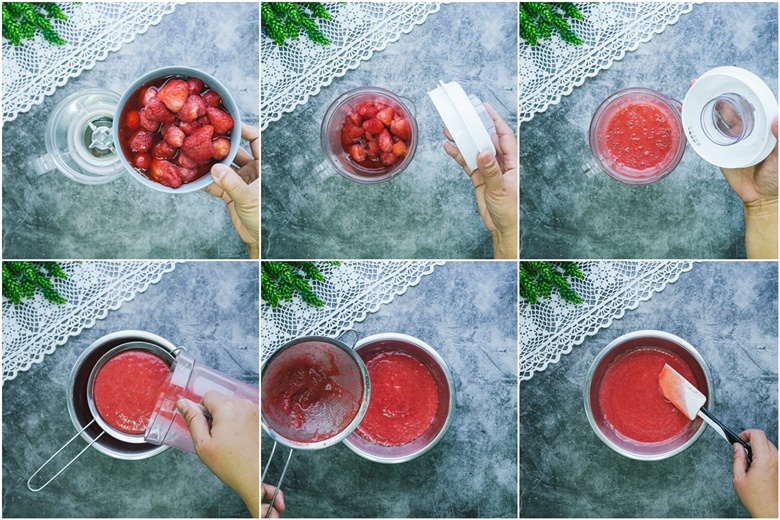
(221, 148)
(188, 128)
(174, 136)
(373, 125)
(366, 110)
(196, 85)
(388, 159)
(186, 162)
(163, 150)
(188, 174)
(142, 161)
(165, 173)
(355, 118)
(157, 111)
(357, 152)
(351, 133)
(147, 94)
(400, 127)
(399, 149)
(386, 115)
(211, 98)
(373, 149)
(133, 120)
(146, 123)
(385, 141)
(220, 120)
(198, 144)
(141, 141)
(174, 94)
(194, 108)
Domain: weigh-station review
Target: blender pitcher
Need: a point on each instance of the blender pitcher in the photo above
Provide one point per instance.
(189, 379)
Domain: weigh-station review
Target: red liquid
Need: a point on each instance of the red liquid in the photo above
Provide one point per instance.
(631, 401)
(376, 136)
(642, 139)
(128, 130)
(125, 389)
(404, 399)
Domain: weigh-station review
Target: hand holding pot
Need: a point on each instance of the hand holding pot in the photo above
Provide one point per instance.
(756, 486)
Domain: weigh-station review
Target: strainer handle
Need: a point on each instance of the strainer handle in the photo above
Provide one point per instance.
(35, 490)
(281, 479)
(357, 337)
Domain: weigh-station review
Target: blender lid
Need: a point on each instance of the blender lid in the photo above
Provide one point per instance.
(727, 116)
(466, 118)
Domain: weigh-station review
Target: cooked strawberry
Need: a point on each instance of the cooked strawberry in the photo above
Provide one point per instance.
(141, 141)
(165, 173)
(379, 106)
(221, 148)
(355, 118)
(146, 123)
(194, 108)
(386, 115)
(133, 120)
(188, 128)
(388, 159)
(174, 136)
(373, 148)
(366, 110)
(196, 85)
(163, 150)
(204, 120)
(198, 144)
(186, 161)
(142, 161)
(373, 125)
(157, 111)
(385, 141)
(357, 152)
(147, 94)
(211, 98)
(351, 133)
(220, 120)
(399, 149)
(400, 127)
(188, 174)
(174, 94)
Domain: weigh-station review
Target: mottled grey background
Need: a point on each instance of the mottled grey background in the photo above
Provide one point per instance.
(692, 213)
(429, 211)
(728, 312)
(211, 308)
(50, 216)
(467, 311)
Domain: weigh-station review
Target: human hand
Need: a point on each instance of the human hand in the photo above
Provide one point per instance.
(755, 182)
(241, 190)
(277, 507)
(495, 185)
(231, 447)
(756, 487)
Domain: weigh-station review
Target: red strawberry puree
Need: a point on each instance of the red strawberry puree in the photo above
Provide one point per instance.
(403, 401)
(630, 399)
(642, 139)
(126, 389)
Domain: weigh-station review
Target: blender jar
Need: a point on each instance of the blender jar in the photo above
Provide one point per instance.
(337, 160)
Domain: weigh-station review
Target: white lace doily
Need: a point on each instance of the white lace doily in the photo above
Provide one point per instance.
(552, 68)
(350, 291)
(35, 328)
(35, 69)
(300, 68)
(552, 327)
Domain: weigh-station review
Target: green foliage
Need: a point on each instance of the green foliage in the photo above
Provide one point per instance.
(537, 279)
(22, 19)
(284, 20)
(21, 279)
(538, 19)
(280, 280)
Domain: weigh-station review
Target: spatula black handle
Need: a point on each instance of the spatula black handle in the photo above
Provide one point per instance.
(730, 435)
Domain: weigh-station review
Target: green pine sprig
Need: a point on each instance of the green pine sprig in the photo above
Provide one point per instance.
(538, 19)
(537, 280)
(280, 280)
(281, 21)
(22, 279)
(22, 19)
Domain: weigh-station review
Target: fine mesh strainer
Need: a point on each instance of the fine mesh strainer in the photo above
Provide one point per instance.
(315, 392)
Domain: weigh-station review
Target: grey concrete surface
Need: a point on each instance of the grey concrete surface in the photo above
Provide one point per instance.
(728, 312)
(467, 311)
(692, 213)
(429, 210)
(51, 216)
(211, 308)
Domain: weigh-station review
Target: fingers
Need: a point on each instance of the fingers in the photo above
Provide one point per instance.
(491, 172)
(739, 464)
(759, 444)
(213, 401)
(502, 128)
(196, 421)
(448, 134)
(251, 134)
(243, 157)
(231, 183)
(453, 152)
(268, 492)
(507, 143)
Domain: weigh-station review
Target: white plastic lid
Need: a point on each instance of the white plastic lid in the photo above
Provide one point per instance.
(727, 117)
(466, 118)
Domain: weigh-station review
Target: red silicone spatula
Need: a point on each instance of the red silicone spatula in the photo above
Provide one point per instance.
(690, 401)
